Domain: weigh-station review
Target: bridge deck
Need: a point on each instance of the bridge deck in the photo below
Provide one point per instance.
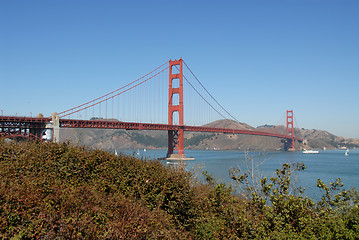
(24, 119)
(69, 123)
(75, 123)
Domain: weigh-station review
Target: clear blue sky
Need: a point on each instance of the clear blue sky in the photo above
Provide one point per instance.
(258, 58)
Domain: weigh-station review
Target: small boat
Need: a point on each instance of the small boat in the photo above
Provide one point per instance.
(311, 151)
(144, 150)
(138, 152)
(346, 152)
(171, 163)
(116, 152)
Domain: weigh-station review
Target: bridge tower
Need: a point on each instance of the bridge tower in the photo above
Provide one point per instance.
(175, 105)
(290, 131)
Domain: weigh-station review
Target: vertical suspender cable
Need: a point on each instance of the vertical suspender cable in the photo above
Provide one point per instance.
(210, 94)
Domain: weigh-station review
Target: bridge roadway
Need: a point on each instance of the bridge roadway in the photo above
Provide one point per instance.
(30, 127)
(25, 122)
(69, 123)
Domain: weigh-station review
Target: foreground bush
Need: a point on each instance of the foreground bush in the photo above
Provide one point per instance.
(60, 191)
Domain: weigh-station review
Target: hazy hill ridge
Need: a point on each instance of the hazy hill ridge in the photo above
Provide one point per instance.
(122, 139)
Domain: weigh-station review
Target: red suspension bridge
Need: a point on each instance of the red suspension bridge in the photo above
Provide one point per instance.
(153, 102)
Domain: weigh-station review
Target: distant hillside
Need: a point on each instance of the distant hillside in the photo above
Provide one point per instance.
(122, 139)
(226, 123)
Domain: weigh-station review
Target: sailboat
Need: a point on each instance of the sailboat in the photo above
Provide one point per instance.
(116, 152)
(138, 152)
(346, 152)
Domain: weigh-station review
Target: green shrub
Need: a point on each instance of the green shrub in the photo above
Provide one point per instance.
(61, 191)
(58, 190)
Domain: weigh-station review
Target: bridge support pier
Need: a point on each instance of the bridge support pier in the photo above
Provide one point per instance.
(55, 127)
(35, 131)
(288, 144)
(175, 143)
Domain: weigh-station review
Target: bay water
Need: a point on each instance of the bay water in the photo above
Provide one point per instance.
(328, 165)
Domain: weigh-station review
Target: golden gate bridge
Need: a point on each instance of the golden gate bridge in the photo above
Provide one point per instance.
(155, 101)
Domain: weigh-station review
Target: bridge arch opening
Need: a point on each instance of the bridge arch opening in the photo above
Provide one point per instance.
(175, 118)
(175, 83)
(174, 69)
(175, 99)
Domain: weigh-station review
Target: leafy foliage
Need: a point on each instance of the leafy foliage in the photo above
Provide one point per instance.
(61, 191)
(58, 190)
(287, 216)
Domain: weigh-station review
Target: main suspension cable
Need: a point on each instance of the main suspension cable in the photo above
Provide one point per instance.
(202, 96)
(110, 92)
(103, 100)
(210, 94)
